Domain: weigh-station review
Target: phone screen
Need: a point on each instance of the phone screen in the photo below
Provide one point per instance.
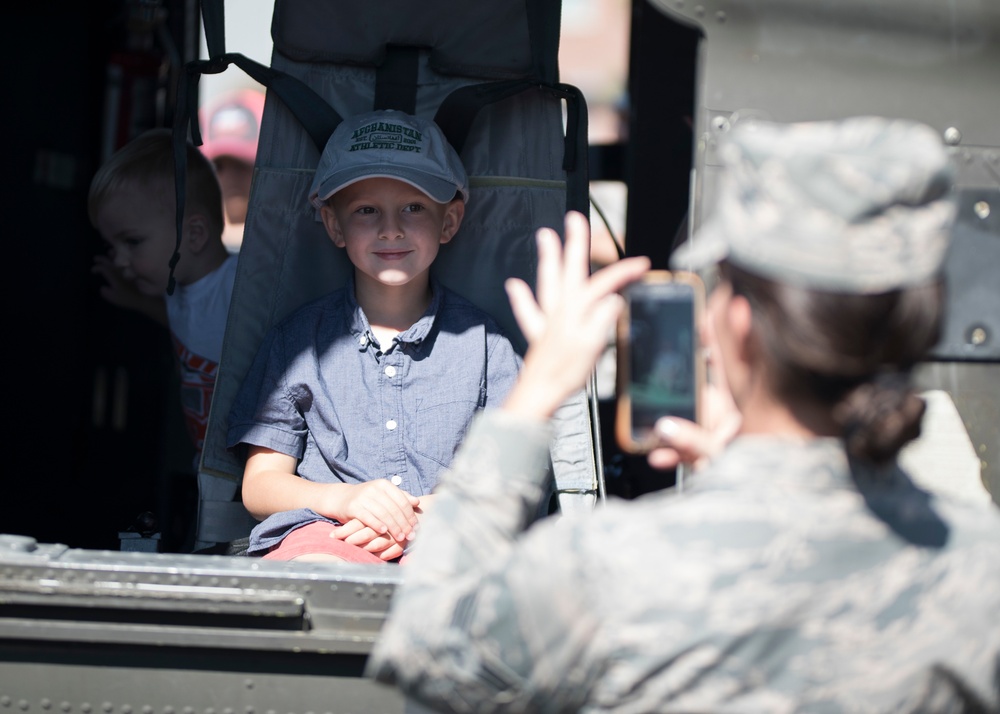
(659, 341)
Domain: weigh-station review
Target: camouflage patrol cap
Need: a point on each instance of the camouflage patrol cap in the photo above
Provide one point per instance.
(861, 205)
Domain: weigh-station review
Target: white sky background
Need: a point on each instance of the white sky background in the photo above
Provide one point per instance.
(248, 31)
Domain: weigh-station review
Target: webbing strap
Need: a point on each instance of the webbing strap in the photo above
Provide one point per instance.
(315, 114)
(544, 25)
(576, 156)
(459, 109)
(182, 117)
(396, 79)
(213, 18)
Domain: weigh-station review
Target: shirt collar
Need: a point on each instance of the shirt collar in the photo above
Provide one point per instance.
(417, 332)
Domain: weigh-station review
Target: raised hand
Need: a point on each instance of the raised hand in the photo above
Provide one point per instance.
(567, 320)
(121, 292)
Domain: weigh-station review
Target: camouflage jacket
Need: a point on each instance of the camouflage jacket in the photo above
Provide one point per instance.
(769, 585)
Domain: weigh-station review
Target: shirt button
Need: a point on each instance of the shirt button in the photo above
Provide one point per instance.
(396, 480)
(390, 371)
(363, 340)
(391, 424)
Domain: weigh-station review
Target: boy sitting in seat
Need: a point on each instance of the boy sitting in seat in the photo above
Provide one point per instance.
(357, 401)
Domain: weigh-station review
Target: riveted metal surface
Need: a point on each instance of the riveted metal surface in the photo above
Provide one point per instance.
(191, 600)
(123, 633)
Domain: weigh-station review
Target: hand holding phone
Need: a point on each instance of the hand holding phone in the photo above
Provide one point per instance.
(659, 370)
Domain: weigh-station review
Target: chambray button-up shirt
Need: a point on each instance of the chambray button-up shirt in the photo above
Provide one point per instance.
(322, 389)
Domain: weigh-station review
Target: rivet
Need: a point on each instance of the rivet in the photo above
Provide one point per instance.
(720, 123)
(720, 16)
(4, 701)
(108, 707)
(982, 209)
(978, 335)
(66, 706)
(23, 705)
(952, 136)
(699, 11)
(46, 703)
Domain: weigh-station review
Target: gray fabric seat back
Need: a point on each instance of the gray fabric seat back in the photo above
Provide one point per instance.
(358, 55)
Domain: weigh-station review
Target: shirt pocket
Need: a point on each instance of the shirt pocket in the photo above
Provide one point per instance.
(440, 428)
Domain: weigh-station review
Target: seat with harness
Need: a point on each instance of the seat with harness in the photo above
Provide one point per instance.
(488, 75)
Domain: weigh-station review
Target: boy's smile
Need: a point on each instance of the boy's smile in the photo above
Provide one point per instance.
(392, 254)
(391, 230)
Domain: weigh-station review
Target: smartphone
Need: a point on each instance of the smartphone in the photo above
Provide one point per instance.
(659, 370)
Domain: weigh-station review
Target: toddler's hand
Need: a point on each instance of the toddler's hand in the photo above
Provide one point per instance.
(117, 290)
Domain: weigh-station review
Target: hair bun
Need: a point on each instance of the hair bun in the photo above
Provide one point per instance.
(879, 417)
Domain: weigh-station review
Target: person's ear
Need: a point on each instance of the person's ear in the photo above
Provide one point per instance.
(454, 212)
(332, 226)
(196, 227)
(740, 318)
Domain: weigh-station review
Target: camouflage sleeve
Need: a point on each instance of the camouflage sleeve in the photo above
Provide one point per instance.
(473, 627)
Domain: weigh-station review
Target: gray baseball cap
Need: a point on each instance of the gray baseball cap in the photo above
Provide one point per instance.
(860, 205)
(389, 144)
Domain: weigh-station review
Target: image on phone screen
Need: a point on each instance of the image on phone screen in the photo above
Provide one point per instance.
(661, 355)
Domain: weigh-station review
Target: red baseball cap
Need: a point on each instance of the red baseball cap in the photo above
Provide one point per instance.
(230, 125)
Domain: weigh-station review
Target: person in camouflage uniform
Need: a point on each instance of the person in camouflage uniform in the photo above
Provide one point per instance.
(800, 570)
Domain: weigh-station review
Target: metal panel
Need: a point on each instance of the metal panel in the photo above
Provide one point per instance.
(797, 60)
(939, 63)
(122, 633)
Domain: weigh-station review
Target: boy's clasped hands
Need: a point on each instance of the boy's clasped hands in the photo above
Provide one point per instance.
(386, 519)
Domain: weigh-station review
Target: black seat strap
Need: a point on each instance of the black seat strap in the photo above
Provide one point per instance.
(315, 114)
(459, 110)
(396, 79)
